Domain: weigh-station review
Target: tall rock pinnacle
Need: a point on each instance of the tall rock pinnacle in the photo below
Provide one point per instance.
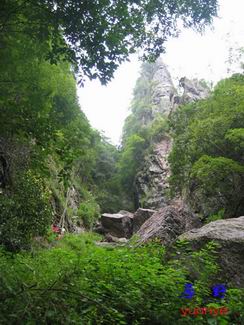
(163, 90)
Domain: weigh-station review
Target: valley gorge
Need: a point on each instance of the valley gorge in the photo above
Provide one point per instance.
(161, 215)
(150, 231)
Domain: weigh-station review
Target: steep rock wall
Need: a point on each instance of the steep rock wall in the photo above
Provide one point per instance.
(151, 182)
(163, 90)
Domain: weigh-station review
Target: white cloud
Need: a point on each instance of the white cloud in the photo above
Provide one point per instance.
(107, 106)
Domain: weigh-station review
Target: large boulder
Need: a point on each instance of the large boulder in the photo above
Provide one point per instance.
(229, 233)
(118, 224)
(167, 224)
(140, 216)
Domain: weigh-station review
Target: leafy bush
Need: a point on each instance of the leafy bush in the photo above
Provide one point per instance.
(77, 282)
(221, 178)
(25, 211)
(218, 216)
(88, 212)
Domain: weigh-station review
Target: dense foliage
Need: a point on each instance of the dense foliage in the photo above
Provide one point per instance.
(48, 151)
(25, 211)
(77, 282)
(99, 35)
(207, 156)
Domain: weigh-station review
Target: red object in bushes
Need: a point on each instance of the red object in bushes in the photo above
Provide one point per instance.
(56, 229)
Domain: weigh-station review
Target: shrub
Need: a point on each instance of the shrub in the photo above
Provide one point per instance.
(214, 217)
(88, 212)
(77, 282)
(25, 211)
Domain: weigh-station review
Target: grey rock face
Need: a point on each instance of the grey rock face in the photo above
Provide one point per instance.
(126, 213)
(163, 89)
(121, 225)
(152, 180)
(117, 224)
(193, 90)
(140, 216)
(230, 234)
(74, 199)
(167, 224)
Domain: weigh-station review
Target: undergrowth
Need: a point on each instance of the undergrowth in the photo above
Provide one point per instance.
(78, 282)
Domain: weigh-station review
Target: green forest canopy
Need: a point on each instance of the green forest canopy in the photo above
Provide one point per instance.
(99, 35)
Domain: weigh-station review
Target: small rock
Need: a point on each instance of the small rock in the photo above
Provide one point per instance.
(112, 239)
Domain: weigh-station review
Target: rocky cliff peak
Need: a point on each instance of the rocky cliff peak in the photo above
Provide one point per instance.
(151, 181)
(194, 89)
(163, 89)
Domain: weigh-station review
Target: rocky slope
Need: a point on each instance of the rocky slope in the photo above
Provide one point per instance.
(176, 222)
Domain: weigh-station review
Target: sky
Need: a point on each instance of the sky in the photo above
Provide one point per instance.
(191, 54)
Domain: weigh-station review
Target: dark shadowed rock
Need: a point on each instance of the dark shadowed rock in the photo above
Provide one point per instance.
(230, 234)
(140, 216)
(118, 224)
(168, 223)
(99, 229)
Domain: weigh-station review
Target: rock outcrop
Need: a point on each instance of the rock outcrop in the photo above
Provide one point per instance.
(193, 90)
(229, 233)
(167, 224)
(152, 181)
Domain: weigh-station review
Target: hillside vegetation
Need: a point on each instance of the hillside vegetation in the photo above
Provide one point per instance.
(207, 156)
